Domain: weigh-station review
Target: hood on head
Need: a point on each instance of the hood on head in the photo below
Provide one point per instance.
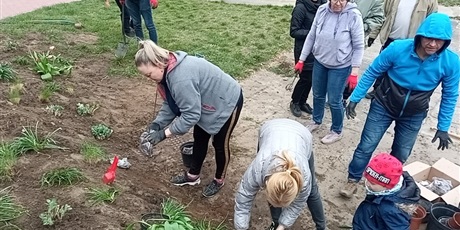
(310, 5)
(349, 6)
(409, 193)
(437, 26)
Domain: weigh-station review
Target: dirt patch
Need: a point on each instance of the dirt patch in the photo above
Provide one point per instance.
(81, 38)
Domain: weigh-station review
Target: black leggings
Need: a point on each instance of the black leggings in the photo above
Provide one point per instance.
(220, 142)
(303, 87)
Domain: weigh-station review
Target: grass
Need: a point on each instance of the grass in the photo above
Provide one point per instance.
(31, 140)
(7, 73)
(92, 153)
(15, 92)
(449, 2)
(9, 210)
(101, 195)
(48, 90)
(8, 158)
(22, 60)
(237, 38)
(62, 176)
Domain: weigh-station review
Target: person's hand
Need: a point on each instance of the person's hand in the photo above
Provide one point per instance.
(298, 67)
(156, 137)
(352, 81)
(153, 127)
(154, 4)
(370, 41)
(350, 110)
(145, 146)
(444, 139)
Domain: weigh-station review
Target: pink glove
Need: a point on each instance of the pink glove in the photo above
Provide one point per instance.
(298, 67)
(154, 4)
(352, 81)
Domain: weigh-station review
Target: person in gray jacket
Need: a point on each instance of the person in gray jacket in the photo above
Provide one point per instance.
(201, 96)
(284, 168)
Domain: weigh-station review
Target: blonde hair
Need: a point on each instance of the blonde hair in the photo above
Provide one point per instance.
(150, 52)
(283, 186)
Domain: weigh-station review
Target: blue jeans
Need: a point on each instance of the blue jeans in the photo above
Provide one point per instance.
(138, 8)
(331, 82)
(314, 202)
(377, 122)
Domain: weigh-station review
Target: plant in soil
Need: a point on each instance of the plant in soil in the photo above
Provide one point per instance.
(177, 217)
(206, 225)
(49, 65)
(56, 110)
(10, 45)
(100, 195)
(101, 131)
(62, 176)
(92, 153)
(31, 140)
(7, 73)
(15, 92)
(9, 210)
(86, 109)
(48, 90)
(54, 213)
(8, 158)
(21, 60)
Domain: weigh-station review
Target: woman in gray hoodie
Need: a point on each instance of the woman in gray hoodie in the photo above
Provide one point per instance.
(336, 40)
(201, 96)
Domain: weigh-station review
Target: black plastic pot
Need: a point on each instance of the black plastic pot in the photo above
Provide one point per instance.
(427, 206)
(152, 218)
(187, 155)
(439, 211)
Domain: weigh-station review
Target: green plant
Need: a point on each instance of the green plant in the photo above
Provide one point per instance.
(101, 131)
(92, 153)
(56, 110)
(207, 225)
(49, 65)
(11, 45)
(8, 158)
(31, 140)
(62, 176)
(15, 92)
(48, 90)
(100, 195)
(177, 217)
(7, 73)
(21, 60)
(9, 210)
(86, 109)
(54, 213)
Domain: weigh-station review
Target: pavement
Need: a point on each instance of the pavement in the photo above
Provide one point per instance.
(10, 8)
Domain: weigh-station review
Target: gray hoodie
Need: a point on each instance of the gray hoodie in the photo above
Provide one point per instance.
(275, 136)
(336, 39)
(205, 95)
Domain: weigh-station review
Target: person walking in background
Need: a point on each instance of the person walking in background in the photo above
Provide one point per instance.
(201, 96)
(284, 167)
(373, 18)
(402, 19)
(391, 196)
(336, 40)
(415, 69)
(139, 9)
(301, 21)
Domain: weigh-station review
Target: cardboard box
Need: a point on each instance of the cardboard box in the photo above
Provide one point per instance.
(443, 168)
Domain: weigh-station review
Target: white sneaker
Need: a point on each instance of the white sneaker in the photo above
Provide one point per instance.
(312, 126)
(331, 138)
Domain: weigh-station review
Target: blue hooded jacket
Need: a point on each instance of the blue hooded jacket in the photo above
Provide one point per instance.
(382, 212)
(411, 80)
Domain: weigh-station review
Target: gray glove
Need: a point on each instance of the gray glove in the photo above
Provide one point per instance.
(145, 146)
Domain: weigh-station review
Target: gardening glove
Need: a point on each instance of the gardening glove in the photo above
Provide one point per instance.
(153, 127)
(156, 137)
(145, 146)
(298, 67)
(154, 4)
(444, 139)
(370, 41)
(350, 110)
(352, 81)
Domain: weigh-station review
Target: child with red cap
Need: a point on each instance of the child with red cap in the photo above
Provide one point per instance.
(391, 196)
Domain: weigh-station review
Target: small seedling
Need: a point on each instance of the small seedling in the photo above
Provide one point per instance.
(48, 90)
(8, 157)
(9, 210)
(54, 213)
(62, 176)
(206, 225)
(7, 73)
(14, 95)
(48, 65)
(101, 131)
(31, 140)
(21, 60)
(86, 109)
(56, 110)
(100, 195)
(92, 153)
(11, 45)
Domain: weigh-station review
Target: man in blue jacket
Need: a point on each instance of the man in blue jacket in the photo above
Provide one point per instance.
(415, 68)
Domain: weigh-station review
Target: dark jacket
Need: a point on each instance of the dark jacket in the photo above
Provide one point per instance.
(301, 21)
(407, 89)
(388, 212)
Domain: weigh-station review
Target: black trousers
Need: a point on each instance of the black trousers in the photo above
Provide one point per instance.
(220, 142)
(303, 87)
(127, 23)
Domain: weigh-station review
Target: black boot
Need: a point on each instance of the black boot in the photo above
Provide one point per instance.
(295, 109)
(305, 107)
(273, 226)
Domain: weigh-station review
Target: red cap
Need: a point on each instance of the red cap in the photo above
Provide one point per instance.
(384, 169)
